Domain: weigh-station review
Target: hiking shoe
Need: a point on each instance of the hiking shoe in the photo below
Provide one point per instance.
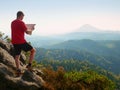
(29, 67)
(18, 73)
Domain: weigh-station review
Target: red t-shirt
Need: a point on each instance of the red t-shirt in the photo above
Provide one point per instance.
(18, 32)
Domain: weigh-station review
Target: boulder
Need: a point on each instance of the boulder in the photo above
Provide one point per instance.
(8, 81)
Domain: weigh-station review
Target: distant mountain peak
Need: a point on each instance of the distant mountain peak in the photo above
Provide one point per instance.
(87, 25)
(88, 28)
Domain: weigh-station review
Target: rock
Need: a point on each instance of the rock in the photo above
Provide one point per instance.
(8, 81)
(10, 49)
(7, 46)
(38, 72)
(32, 77)
(4, 70)
(6, 58)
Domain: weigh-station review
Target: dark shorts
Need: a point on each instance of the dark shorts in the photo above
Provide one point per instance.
(19, 47)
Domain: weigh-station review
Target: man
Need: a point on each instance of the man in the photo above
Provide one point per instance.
(18, 30)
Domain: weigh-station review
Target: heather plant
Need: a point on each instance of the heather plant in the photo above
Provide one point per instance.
(74, 80)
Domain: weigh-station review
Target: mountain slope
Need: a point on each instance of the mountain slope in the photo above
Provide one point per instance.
(92, 46)
(103, 53)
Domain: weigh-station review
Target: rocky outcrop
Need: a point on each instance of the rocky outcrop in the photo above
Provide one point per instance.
(8, 81)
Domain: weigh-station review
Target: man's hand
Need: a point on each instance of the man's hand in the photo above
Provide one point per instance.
(29, 32)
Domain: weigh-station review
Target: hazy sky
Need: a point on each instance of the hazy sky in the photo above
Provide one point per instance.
(61, 16)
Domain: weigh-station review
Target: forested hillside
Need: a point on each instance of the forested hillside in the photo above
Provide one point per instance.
(103, 53)
(101, 56)
(76, 61)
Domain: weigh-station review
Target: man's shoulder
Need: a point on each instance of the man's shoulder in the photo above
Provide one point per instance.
(14, 21)
(17, 21)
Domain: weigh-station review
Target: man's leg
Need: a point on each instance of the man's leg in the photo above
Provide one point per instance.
(17, 61)
(27, 47)
(32, 54)
(17, 57)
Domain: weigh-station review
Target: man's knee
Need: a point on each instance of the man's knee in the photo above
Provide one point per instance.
(33, 50)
